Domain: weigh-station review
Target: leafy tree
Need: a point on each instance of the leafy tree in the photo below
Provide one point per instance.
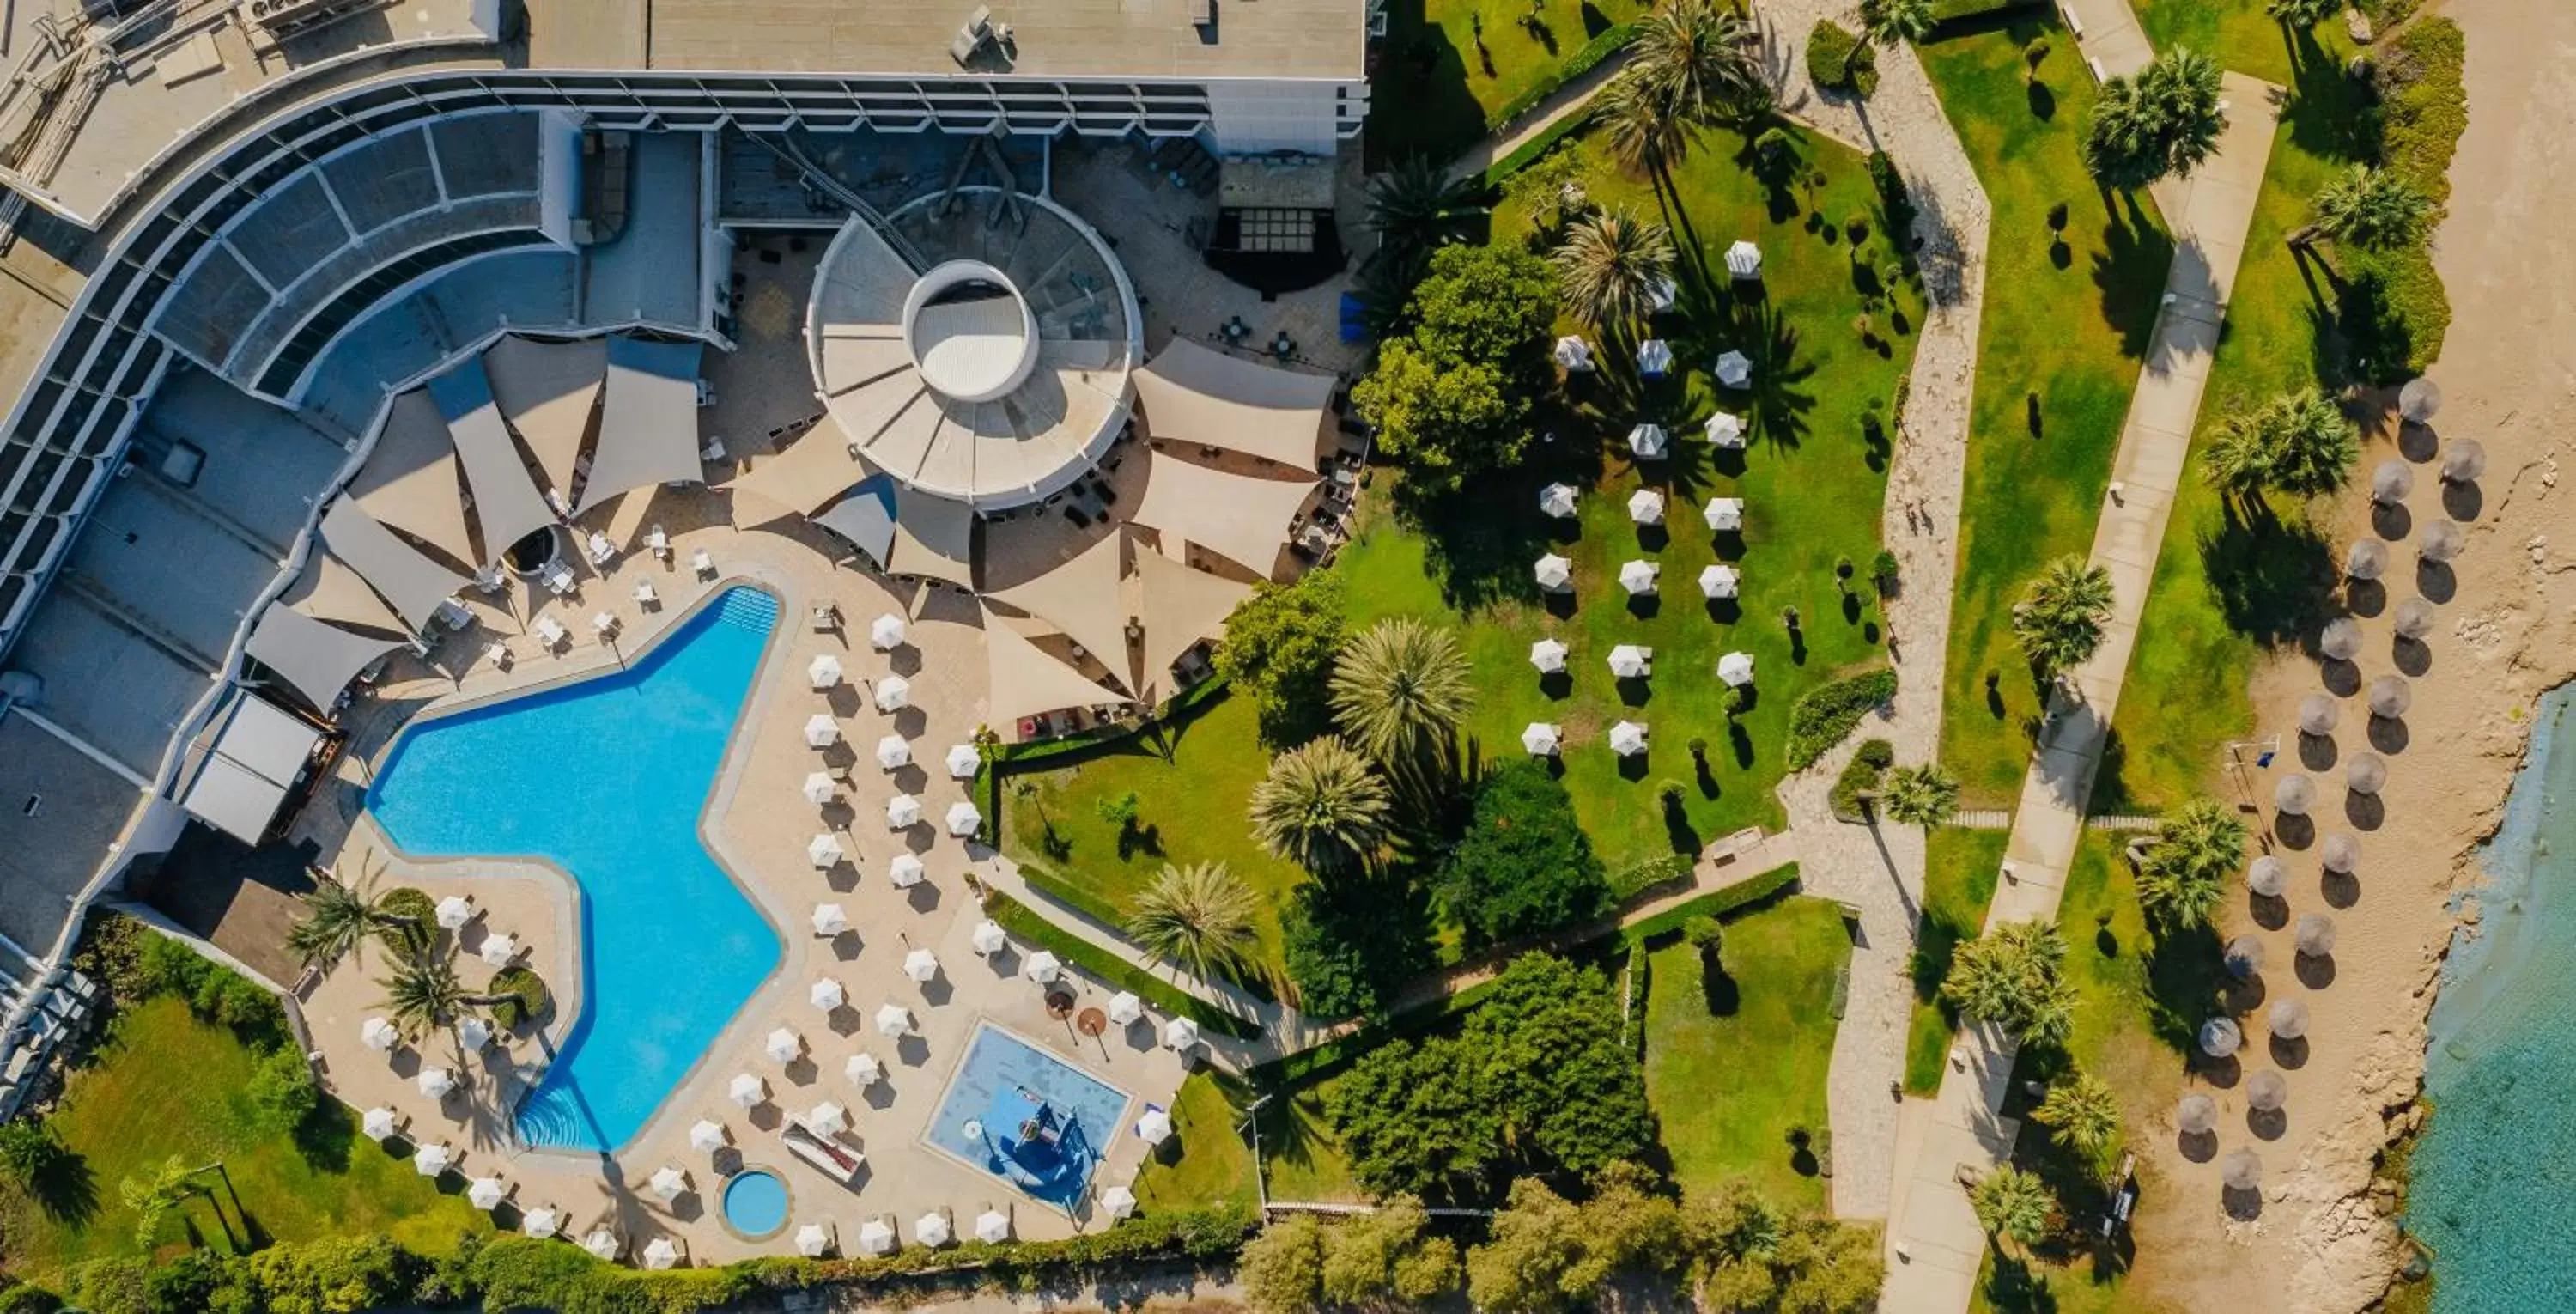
(1322, 806)
(2082, 1113)
(2059, 620)
(1349, 943)
(1414, 1117)
(151, 1198)
(1415, 208)
(2373, 209)
(282, 1090)
(1731, 1237)
(2012, 1205)
(1610, 265)
(424, 995)
(1828, 1267)
(1537, 1241)
(1388, 1259)
(2162, 121)
(1451, 398)
(2012, 976)
(1924, 796)
(338, 919)
(1282, 1269)
(1524, 866)
(1629, 1224)
(1399, 688)
(1890, 23)
(1198, 918)
(2298, 443)
(2183, 876)
(1700, 66)
(2302, 14)
(1279, 648)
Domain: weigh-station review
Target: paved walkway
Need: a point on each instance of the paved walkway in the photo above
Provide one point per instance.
(1934, 1242)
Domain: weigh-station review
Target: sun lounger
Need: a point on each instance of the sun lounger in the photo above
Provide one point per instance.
(559, 580)
(837, 1161)
(645, 595)
(604, 625)
(658, 542)
(499, 655)
(703, 564)
(551, 632)
(601, 550)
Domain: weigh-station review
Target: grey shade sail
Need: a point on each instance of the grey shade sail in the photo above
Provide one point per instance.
(1197, 394)
(648, 420)
(245, 764)
(865, 518)
(934, 537)
(317, 659)
(1181, 607)
(507, 505)
(399, 572)
(1084, 598)
(409, 481)
(807, 473)
(547, 391)
(328, 590)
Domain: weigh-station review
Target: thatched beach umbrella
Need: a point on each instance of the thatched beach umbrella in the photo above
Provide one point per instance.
(2267, 876)
(2391, 482)
(2340, 853)
(2316, 935)
(2242, 1171)
(2413, 618)
(2390, 697)
(2196, 1114)
(2219, 1037)
(2365, 773)
(2267, 1091)
(2440, 542)
(2244, 957)
(2294, 795)
(2318, 714)
(2340, 639)
(2419, 399)
(2466, 460)
(2290, 1019)
(2365, 560)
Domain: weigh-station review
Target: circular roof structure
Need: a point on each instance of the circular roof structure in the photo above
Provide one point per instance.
(977, 347)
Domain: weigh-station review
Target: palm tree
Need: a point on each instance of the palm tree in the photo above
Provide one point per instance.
(1889, 23)
(423, 995)
(152, 1198)
(1322, 806)
(2369, 208)
(2302, 14)
(1398, 686)
(2299, 443)
(2059, 621)
(1639, 133)
(2082, 1113)
(338, 917)
(1416, 207)
(2012, 1204)
(2164, 120)
(2010, 976)
(1924, 796)
(1610, 265)
(1198, 918)
(2183, 877)
(2236, 459)
(1699, 63)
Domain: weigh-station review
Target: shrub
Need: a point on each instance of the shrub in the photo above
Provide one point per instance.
(281, 1088)
(1525, 866)
(1824, 715)
(528, 999)
(1348, 946)
(29, 1150)
(1882, 571)
(1648, 872)
(1860, 776)
(1837, 59)
(2424, 104)
(1640, 977)
(27, 1298)
(2057, 217)
(108, 1286)
(1895, 203)
(1702, 931)
(2034, 52)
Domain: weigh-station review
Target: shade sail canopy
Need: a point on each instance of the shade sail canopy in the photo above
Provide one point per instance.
(934, 537)
(318, 659)
(1242, 519)
(547, 391)
(1197, 394)
(327, 590)
(1025, 681)
(398, 572)
(410, 479)
(1083, 597)
(648, 419)
(865, 518)
(810, 472)
(507, 505)
(1181, 607)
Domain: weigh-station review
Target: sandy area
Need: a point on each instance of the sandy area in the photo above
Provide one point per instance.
(2506, 632)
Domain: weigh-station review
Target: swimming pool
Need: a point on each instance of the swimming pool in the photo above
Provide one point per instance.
(606, 778)
(755, 1202)
(1027, 1117)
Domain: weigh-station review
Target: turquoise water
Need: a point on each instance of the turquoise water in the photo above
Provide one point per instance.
(755, 1202)
(2494, 1186)
(1027, 1117)
(606, 778)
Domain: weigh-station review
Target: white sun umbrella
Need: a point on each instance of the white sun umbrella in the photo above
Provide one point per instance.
(431, 1160)
(964, 762)
(1155, 1127)
(1661, 293)
(1718, 581)
(1548, 656)
(1744, 260)
(829, 1118)
(1648, 441)
(706, 1136)
(2266, 1091)
(812, 1240)
(1726, 429)
(876, 1238)
(1574, 355)
(379, 1035)
(931, 1229)
(1043, 967)
(903, 812)
(1628, 738)
(826, 994)
(990, 938)
(1734, 369)
(1628, 661)
(661, 1254)
(963, 819)
(894, 1021)
(830, 919)
(993, 1227)
(819, 787)
(894, 693)
(2294, 794)
(863, 1070)
(670, 1182)
(2419, 399)
(824, 851)
(486, 1192)
(1118, 1202)
(784, 1046)
(821, 731)
(1724, 515)
(824, 671)
(2195, 1114)
(1646, 507)
(601, 1243)
(2466, 460)
(436, 1083)
(1125, 1008)
(454, 912)
(905, 871)
(1637, 577)
(1553, 573)
(885, 633)
(1736, 669)
(1557, 500)
(2267, 876)
(1180, 1035)
(2242, 1170)
(1541, 739)
(473, 1033)
(380, 1124)
(894, 752)
(498, 950)
(1655, 358)
(2219, 1037)
(539, 1224)
(748, 1090)
(921, 965)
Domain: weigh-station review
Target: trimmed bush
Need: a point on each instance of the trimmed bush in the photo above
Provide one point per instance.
(1944, 11)
(1719, 904)
(29, 1299)
(109, 1286)
(1861, 776)
(2424, 104)
(283, 1090)
(529, 1000)
(1647, 873)
(1525, 866)
(1825, 715)
(1837, 59)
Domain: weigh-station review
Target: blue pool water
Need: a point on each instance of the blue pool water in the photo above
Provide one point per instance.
(606, 778)
(1027, 1117)
(2494, 1180)
(755, 1202)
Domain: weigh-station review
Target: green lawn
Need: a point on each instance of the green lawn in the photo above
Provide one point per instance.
(1958, 882)
(2068, 321)
(1207, 1164)
(2235, 32)
(1300, 1156)
(1441, 88)
(1733, 1065)
(163, 1083)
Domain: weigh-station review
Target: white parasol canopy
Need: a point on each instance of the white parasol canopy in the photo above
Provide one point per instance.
(436, 1083)
(963, 819)
(1629, 662)
(706, 1136)
(1638, 577)
(431, 1160)
(1718, 581)
(1557, 500)
(1648, 441)
(1736, 669)
(1734, 369)
(1574, 355)
(1744, 260)
(661, 1254)
(1553, 573)
(1118, 1202)
(381, 1124)
(903, 812)
(829, 1118)
(894, 693)
(894, 1021)
(921, 965)
(886, 632)
(539, 1224)
(990, 938)
(1724, 515)
(601, 1243)
(826, 994)
(1655, 358)
(1646, 507)
(1125, 1009)
(863, 1070)
(454, 912)
(931, 1229)
(1180, 1035)
(964, 762)
(1661, 293)
(670, 1182)
(379, 1035)
(830, 919)
(1542, 739)
(1548, 656)
(1043, 967)
(993, 1226)
(1726, 430)
(749, 1091)
(894, 752)
(824, 851)
(498, 950)
(821, 731)
(784, 1046)
(1155, 1127)
(473, 1034)
(875, 1238)
(813, 1240)
(905, 871)
(1628, 738)
(486, 1192)
(824, 671)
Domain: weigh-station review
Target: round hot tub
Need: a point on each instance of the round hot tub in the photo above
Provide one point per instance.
(755, 1203)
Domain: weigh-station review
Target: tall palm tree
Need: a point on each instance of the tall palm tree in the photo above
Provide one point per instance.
(2300, 443)
(1322, 806)
(1635, 128)
(2012, 1205)
(2082, 1113)
(2060, 617)
(2365, 207)
(1700, 64)
(1198, 918)
(2236, 459)
(153, 1197)
(1609, 266)
(424, 995)
(1416, 207)
(2010, 976)
(1399, 686)
(2163, 120)
(1924, 796)
(2183, 876)
(338, 918)
(2302, 14)
(1890, 23)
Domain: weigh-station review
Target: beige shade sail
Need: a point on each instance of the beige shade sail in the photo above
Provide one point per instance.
(648, 420)
(1025, 681)
(934, 537)
(409, 481)
(1083, 598)
(318, 659)
(1240, 518)
(399, 572)
(547, 391)
(1197, 394)
(811, 472)
(1182, 606)
(507, 505)
(328, 590)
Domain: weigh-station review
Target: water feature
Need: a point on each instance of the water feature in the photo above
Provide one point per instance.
(755, 1203)
(1027, 1117)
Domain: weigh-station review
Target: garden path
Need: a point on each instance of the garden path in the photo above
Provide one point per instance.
(1559, 104)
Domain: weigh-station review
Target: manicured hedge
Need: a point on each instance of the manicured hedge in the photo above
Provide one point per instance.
(1826, 714)
(1860, 776)
(1944, 11)
(1837, 59)
(1733, 899)
(2425, 104)
(1647, 873)
(1029, 925)
(1536, 148)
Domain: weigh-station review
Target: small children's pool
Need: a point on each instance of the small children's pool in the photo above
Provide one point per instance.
(755, 1203)
(1027, 1117)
